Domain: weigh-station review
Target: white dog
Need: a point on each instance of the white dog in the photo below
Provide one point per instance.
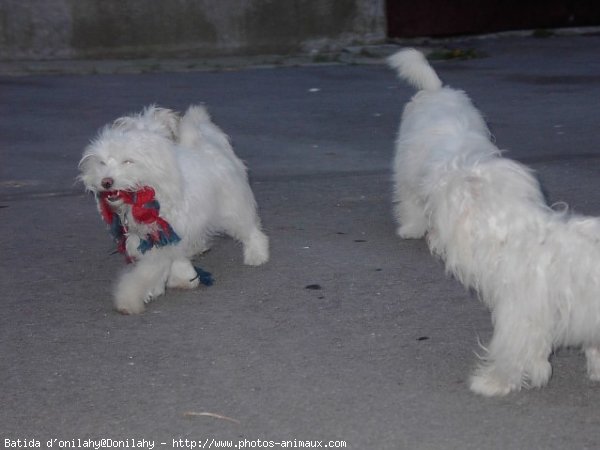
(537, 269)
(165, 184)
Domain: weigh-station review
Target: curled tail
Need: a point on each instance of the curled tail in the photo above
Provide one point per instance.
(412, 66)
(196, 127)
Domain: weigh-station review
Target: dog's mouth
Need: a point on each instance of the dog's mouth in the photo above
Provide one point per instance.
(111, 196)
(116, 197)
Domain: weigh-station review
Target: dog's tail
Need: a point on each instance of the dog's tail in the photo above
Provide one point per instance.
(197, 127)
(412, 66)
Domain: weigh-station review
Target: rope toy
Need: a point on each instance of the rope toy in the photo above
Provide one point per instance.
(145, 209)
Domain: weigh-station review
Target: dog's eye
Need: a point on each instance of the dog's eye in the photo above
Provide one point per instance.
(128, 161)
(102, 163)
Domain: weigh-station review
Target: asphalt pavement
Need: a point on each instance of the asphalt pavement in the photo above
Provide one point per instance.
(348, 335)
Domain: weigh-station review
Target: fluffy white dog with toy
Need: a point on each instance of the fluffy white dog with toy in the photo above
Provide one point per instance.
(165, 184)
(537, 269)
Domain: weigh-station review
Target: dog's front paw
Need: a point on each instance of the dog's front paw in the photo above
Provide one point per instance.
(183, 283)
(410, 231)
(157, 291)
(183, 275)
(129, 306)
(489, 383)
(538, 374)
(130, 298)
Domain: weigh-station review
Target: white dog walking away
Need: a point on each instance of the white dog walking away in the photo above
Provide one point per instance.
(537, 269)
(166, 184)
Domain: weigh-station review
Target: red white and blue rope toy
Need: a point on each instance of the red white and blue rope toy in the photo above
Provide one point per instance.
(145, 209)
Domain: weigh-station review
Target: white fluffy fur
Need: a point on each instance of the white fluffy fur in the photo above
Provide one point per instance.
(537, 269)
(201, 185)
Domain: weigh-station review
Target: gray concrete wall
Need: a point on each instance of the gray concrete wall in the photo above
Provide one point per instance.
(51, 29)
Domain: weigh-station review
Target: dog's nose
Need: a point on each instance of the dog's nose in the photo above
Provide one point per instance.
(107, 182)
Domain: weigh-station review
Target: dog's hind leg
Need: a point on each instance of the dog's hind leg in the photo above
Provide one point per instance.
(245, 227)
(592, 356)
(256, 247)
(517, 356)
(410, 216)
